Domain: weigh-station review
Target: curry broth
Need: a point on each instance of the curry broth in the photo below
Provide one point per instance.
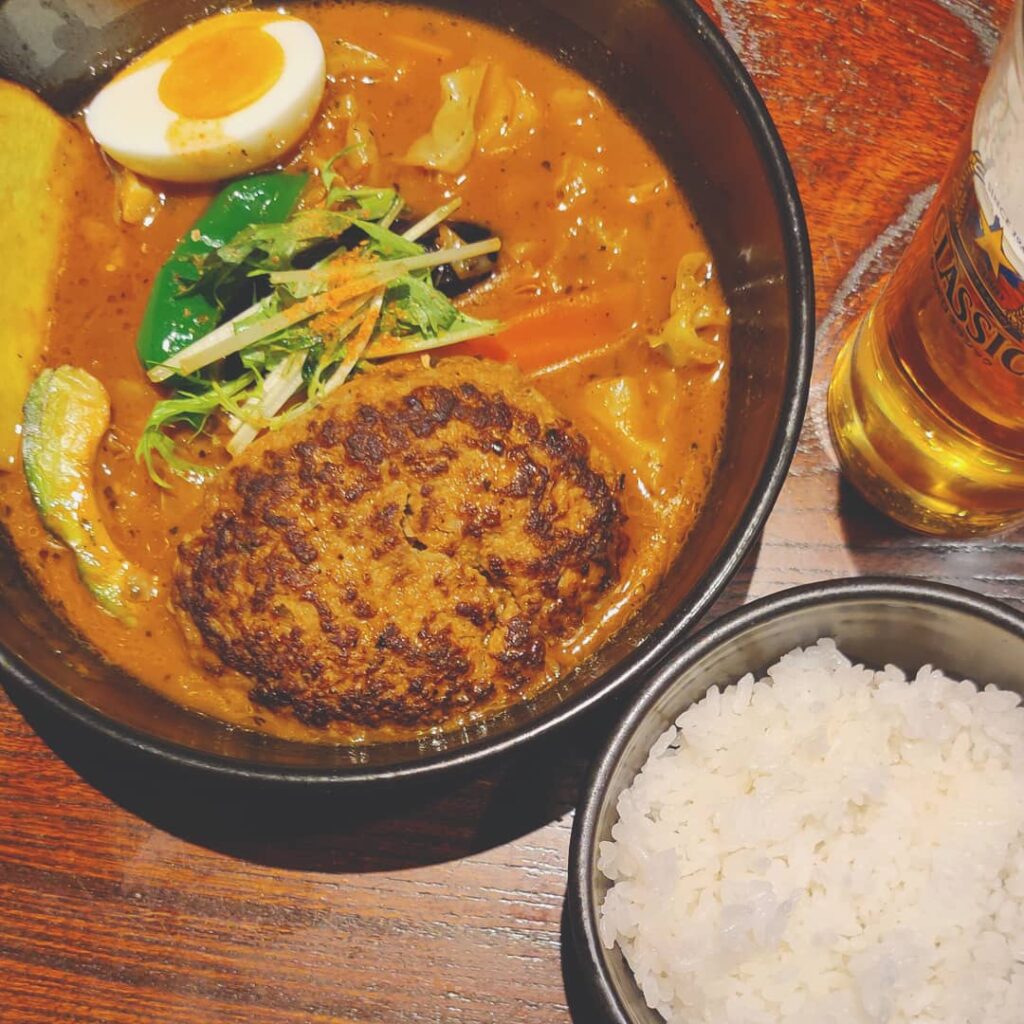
(587, 218)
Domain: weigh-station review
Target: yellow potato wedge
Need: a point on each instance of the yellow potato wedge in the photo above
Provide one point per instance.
(37, 153)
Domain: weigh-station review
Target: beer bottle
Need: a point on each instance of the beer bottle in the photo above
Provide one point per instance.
(926, 402)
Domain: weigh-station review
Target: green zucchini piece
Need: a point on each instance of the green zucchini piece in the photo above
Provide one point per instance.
(66, 414)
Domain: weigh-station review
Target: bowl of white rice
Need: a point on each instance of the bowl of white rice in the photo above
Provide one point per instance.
(814, 814)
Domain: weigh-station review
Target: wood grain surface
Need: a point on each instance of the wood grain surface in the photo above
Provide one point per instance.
(129, 897)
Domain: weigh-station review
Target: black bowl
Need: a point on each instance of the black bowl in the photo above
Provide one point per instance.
(670, 70)
(904, 622)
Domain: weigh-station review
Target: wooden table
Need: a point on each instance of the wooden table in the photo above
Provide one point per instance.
(125, 898)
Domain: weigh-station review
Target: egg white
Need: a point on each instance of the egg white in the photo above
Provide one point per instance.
(131, 123)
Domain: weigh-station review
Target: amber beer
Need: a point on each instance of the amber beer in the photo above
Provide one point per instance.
(926, 404)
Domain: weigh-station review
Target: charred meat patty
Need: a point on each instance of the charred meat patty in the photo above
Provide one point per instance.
(405, 553)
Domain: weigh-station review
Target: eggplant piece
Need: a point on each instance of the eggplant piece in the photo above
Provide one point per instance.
(445, 278)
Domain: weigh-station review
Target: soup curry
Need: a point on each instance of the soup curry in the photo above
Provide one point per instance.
(592, 230)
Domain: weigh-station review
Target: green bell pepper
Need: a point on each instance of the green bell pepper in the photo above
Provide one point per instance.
(173, 321)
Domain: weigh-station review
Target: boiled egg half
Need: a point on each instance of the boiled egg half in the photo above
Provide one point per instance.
(220, 97)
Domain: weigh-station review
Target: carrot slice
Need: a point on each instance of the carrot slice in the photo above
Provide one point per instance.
(559, 330)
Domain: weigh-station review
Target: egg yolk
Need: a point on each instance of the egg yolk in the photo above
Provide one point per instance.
(219, 73)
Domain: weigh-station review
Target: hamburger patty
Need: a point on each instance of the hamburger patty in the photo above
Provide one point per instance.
(402, 554)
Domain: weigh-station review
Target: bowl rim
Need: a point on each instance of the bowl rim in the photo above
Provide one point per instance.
(656, 646)
(581, 906)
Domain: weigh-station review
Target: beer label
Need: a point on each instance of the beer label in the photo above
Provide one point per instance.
(980, 288)
(977, 241)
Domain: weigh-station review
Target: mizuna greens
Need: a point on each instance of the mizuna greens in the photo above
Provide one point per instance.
(334, 285)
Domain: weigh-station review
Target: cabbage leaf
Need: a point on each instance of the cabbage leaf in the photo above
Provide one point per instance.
(451, 140)
(689, 337)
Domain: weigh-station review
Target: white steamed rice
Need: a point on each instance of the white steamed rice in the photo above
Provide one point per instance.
(827, 845)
